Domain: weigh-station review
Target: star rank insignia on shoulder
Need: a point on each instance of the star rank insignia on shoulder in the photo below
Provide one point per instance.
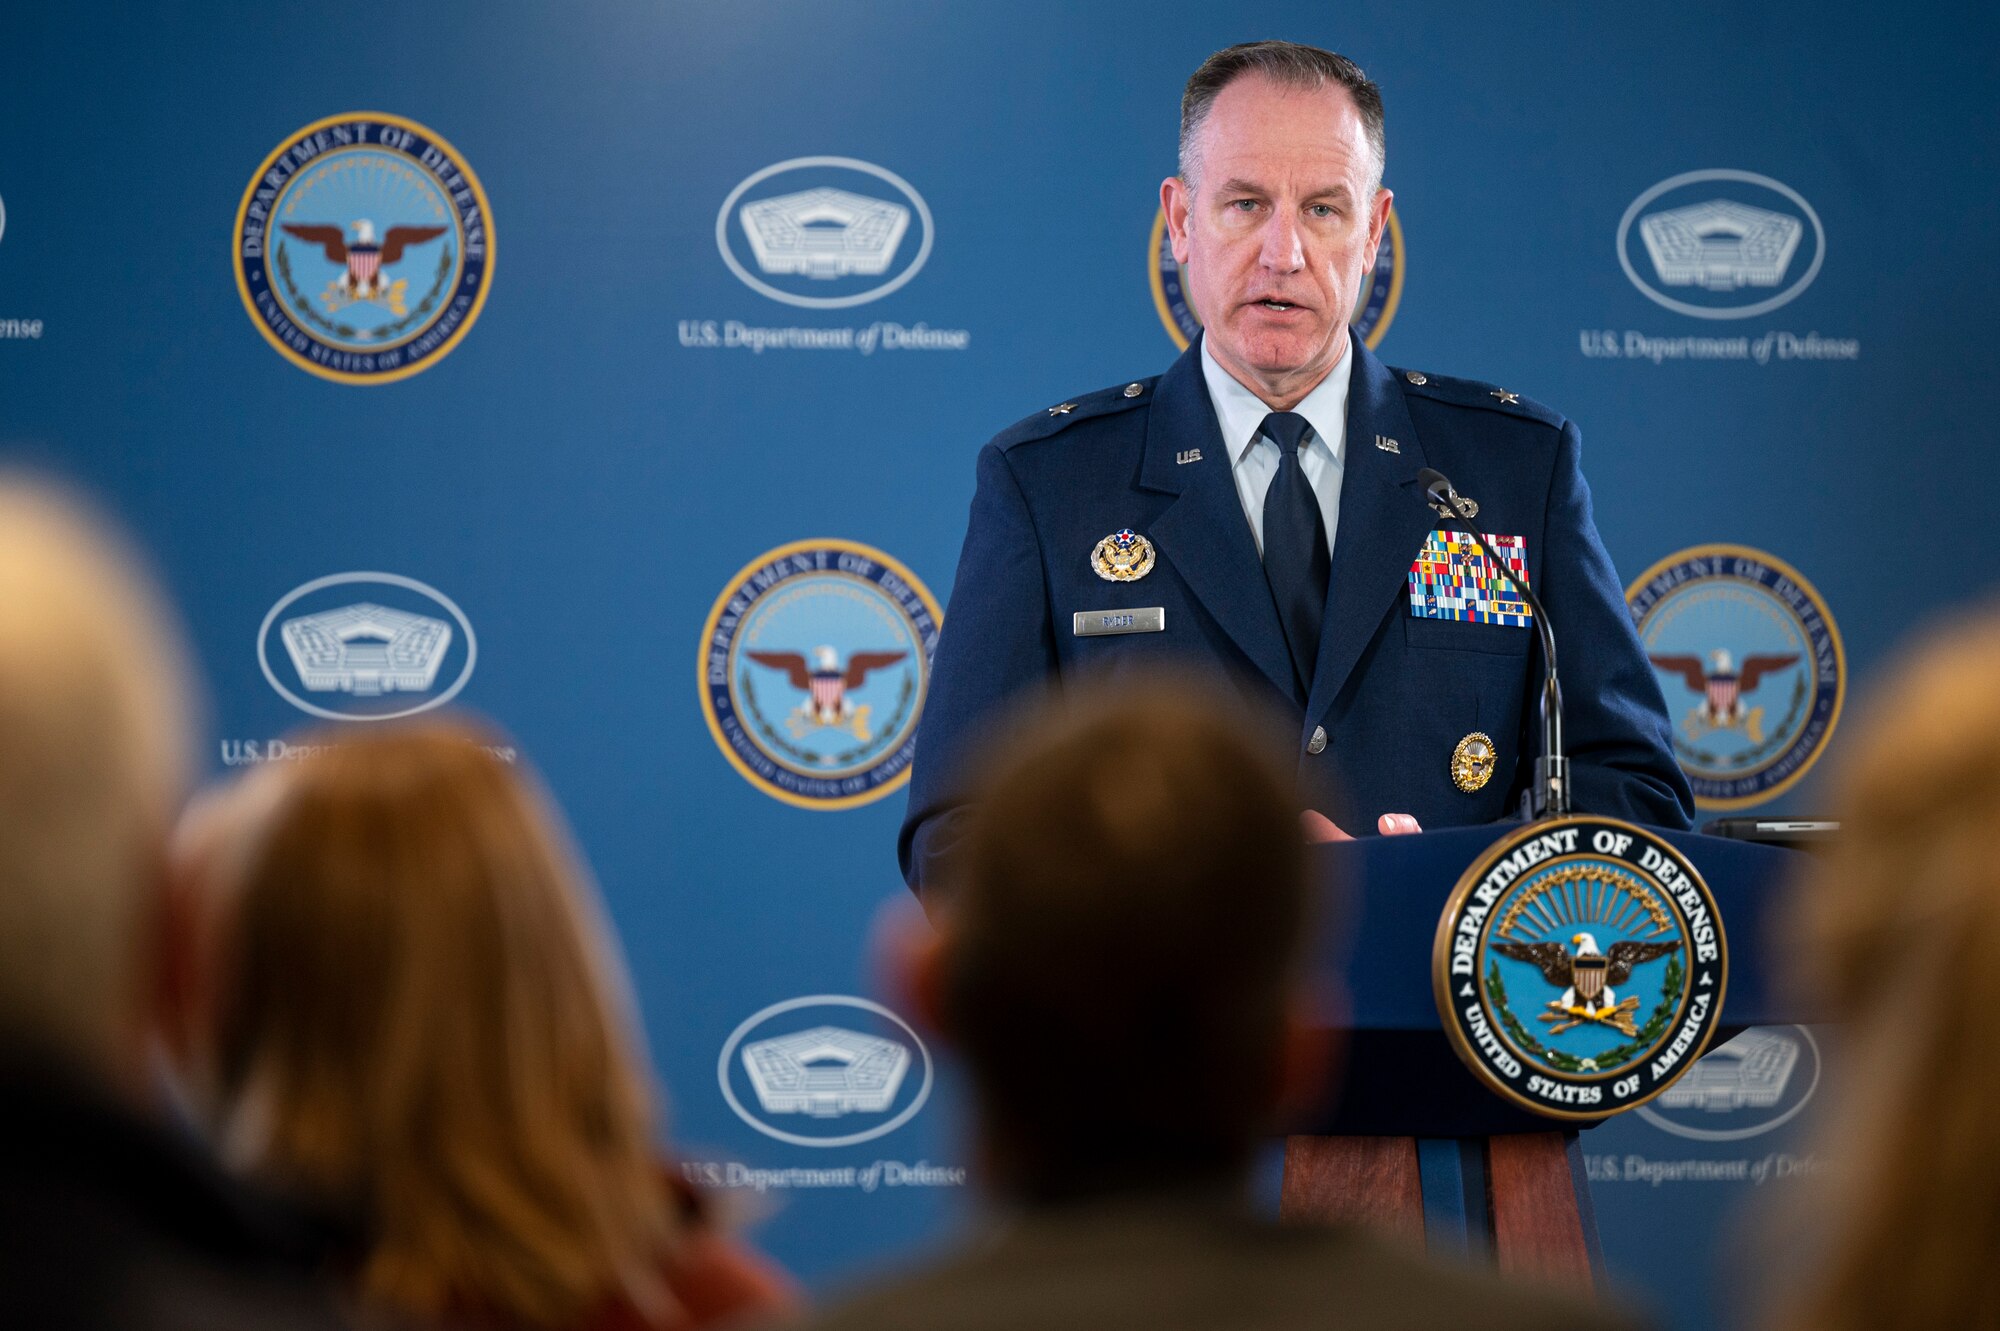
(1053, 420)
(1472, 393)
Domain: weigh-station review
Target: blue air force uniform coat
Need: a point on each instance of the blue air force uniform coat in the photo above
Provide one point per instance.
(1393, 693)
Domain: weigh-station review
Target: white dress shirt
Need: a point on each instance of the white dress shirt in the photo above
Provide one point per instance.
(1253, 459)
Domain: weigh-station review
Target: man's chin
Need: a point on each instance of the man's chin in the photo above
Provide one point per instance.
(1273, 355)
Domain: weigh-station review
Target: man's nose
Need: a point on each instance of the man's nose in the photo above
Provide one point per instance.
(1284, 246)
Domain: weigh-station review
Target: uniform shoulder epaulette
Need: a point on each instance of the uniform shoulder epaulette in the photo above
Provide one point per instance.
(1054, 420)
(1472, 393)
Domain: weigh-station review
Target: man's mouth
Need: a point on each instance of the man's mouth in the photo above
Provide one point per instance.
(1279, 305)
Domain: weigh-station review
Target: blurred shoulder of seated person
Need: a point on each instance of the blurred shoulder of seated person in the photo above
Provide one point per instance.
(1120, 963)
(1894, 942)
(418, 1025)
(111, 1216)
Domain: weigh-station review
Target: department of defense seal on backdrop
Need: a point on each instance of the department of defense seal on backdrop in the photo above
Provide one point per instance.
(1580, 966)
(815, 661)
(364, 248)
(1373, 310)
(1751, 664)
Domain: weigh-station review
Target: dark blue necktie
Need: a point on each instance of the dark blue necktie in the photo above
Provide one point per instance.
(1296, 561)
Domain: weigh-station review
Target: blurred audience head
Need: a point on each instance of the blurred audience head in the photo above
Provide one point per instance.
(94, 731)
(1120, 946)
(1896, 939)
(419, 1024)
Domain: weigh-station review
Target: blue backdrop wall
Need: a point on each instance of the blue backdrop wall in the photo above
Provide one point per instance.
(637, 334)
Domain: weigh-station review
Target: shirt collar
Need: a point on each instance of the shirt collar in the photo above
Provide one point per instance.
(1239, 412)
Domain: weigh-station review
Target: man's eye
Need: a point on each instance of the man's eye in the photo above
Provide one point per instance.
(1243, 205)
(1322, 210)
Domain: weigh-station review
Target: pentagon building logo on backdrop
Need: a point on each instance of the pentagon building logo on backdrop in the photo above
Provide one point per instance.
(1721, 244)
(364, 248)
(1752, 1085)
(366, 647)
(1374, 308)
(814, 664)
(12, 326)
(824, 233)
(825, 1070)
(1751, 664)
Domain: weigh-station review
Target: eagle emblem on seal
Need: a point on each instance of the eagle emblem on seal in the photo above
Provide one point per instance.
(1588, 978)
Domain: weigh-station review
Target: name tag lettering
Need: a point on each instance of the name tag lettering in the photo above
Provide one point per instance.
(1103, 623)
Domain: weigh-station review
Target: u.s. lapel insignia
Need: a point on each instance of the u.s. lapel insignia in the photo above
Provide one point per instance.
(1388, 445)
(1123, 556)
(1472, 762)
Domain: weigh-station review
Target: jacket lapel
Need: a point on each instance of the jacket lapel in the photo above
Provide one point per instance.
(1383, 523)
(1204, 533)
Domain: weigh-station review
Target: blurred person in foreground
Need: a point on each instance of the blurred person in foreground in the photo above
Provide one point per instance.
(1120, 962)
(1895, 940)
(420, 1028)
(110, 1217)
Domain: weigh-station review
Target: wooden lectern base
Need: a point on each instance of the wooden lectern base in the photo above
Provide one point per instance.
(1518, 1196)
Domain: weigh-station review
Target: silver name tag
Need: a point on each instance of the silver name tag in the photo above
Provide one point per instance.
(1099, 623)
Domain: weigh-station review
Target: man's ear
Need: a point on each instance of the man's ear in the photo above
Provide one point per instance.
(177, 963)
(926, 972)
(1309, 1056)
(1175, 201)
(1378, 224)
(911, 955)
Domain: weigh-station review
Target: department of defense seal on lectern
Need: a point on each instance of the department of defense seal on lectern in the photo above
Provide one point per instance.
(1580, 966)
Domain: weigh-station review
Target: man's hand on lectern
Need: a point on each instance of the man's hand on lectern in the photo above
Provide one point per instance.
(1319, 827)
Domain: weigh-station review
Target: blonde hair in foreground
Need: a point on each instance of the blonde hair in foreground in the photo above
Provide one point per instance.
(425, 1027)
(1898, 938)
(93, 756)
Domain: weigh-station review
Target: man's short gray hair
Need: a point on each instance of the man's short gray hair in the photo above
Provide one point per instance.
(1290, 65)
(93, 756)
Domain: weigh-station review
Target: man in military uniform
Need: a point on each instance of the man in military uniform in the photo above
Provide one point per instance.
(1255, 513)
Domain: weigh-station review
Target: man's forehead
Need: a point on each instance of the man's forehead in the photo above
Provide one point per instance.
(1257, 126)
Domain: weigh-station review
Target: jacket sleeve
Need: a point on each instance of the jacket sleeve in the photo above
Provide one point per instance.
(1615, 723)
(995, 647)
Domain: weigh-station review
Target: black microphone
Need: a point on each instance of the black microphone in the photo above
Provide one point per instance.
(1548, 797)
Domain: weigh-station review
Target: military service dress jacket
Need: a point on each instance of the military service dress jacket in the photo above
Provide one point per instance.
(1395, 692)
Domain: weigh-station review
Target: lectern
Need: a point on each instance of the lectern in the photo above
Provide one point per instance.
(1414, 1142)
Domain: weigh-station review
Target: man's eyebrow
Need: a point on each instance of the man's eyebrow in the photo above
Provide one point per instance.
(1337, 191)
